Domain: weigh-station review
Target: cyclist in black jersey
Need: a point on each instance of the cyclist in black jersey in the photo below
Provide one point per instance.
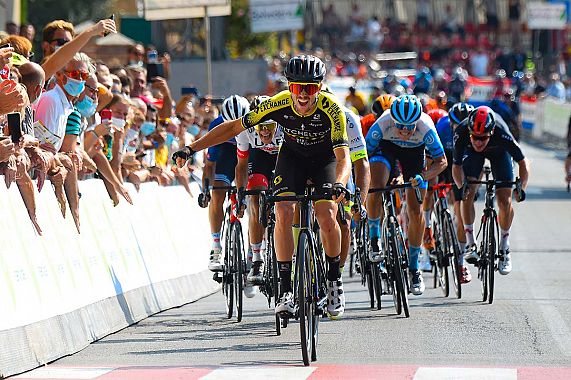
(484, 135)
(315, 149)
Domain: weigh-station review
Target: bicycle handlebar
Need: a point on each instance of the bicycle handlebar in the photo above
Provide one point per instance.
(406, 185)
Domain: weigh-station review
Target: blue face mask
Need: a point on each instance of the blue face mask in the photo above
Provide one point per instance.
(147, 128)
(74, 87)
(170, 139)
(193, 129)
(86, 106)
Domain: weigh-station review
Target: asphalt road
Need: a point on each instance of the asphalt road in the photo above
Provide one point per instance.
(528, 325)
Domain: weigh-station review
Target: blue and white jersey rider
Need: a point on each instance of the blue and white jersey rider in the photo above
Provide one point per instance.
(424, 135)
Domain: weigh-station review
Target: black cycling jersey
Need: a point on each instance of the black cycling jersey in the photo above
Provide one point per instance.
(314, 135)
(501, 140)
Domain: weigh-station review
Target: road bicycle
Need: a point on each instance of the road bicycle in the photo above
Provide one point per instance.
(394, 250)
(447, 252)
(361, 250)
(488, 251)
(310, 288)
(234, 268)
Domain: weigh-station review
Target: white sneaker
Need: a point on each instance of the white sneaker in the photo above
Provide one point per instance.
(471, 256)
(250, 290)
(335, 299)
(505, 262)
(215, 257)
(285, 306)
(375, 253)
(417, 283)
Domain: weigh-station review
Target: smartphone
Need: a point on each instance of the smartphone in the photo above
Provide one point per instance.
(154, 70)
(106, 115)
(112, 17)
(15, 126)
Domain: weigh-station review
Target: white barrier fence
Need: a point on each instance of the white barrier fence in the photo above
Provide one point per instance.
(546, 116)
(62, 291)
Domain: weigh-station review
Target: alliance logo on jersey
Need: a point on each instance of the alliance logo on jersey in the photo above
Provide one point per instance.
(316, 116)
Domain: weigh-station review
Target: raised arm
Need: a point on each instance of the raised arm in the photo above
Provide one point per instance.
(62, 56)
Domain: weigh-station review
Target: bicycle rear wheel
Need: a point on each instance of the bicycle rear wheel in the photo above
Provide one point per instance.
(304, 298)
(377, 283)
(453, 253)
(492, 255)
(363, 256)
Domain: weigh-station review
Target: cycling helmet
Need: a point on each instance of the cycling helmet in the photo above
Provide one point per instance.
(258, 100)
(406, 110)
(459, 112)
(234, 107)
(305, 68)
(382, 103)
(436, 114)
(481, 121)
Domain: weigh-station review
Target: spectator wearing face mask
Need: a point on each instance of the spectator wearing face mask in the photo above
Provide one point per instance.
(56, 105)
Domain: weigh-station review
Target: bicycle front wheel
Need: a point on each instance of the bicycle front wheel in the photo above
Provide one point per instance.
(492, 254)
(239, 266)
(400, 258)
(453, 252)
(228, 275)
(272, 268)
(304, 297)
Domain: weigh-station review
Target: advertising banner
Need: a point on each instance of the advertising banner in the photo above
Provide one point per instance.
(276, 15)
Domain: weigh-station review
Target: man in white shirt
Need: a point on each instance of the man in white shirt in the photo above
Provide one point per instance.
(55, 105)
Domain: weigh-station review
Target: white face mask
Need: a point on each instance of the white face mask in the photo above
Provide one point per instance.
(119, 123)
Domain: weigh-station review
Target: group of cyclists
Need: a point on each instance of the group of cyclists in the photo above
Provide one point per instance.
(306, 135)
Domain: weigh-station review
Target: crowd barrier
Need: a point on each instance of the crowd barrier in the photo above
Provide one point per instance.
(63, 290)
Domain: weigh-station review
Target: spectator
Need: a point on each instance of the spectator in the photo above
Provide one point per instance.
(136, 55)
(357, 100)
(12, 28)
(28, 31)
(492, 22)
(422, 12)
(374, 34)
(331, 25)
(56, 105)
(55, 35)
(479, 62)
(138, 77)
(514, 15)
(556, 88)
(20, 44)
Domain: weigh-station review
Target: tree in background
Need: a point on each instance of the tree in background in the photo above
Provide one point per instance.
(240, 41)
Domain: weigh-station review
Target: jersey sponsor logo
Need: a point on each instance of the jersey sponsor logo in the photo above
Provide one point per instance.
(316, 116)
(269, 104)
(278, 180)
(376, 135)
(335, 112)
(429, 140)
(325, 103)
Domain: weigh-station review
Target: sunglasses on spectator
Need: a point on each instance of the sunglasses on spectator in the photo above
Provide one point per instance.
(94, 91)
(269, 125)
(77, 75)
(479, 137)
(405, 127)
(309, 88)
(60, 41)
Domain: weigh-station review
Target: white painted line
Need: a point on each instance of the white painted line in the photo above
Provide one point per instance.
(429, 373)
(260, 373)
(64, 373)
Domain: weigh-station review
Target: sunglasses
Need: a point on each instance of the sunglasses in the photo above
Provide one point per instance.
(270, 126)
(60, 41)
(405, 127)
(479, 138)
(309, 88)
(94, 91)
(77, 75)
